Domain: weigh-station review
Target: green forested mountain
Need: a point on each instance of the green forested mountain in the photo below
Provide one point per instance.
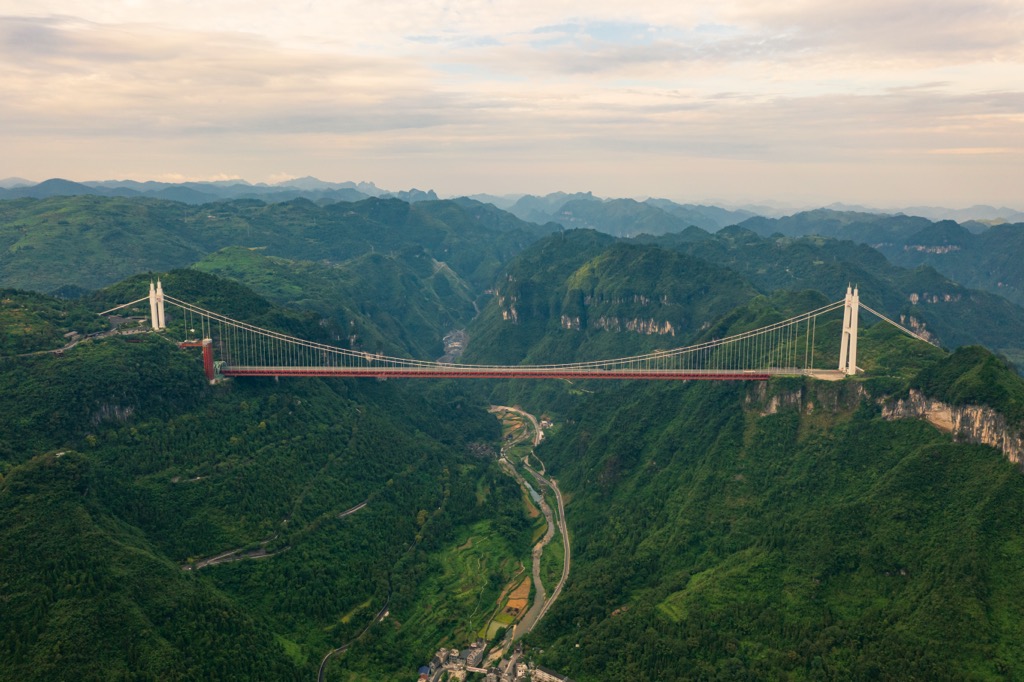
(206, 192)
(623, 217)
(919, 298)
(540, 209)
(785, 530)
(715, 541)
(401, 303)
(90, 241)
(582, 295)
(707, 217)
(626, 217)
(988, 259)
(866, 228)
(119, 465)
(559, 299)
(32, 322)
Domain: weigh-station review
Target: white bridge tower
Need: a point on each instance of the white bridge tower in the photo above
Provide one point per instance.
(156, 305)
(848, 345)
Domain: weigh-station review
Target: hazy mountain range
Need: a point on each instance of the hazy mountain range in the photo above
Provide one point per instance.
(533, 208)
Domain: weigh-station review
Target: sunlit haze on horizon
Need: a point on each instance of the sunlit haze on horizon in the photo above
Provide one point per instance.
(880, 102)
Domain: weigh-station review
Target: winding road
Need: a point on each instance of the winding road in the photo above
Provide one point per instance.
(344, 647)
(542, 602)
(563, 528)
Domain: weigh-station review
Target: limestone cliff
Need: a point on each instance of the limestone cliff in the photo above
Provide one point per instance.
(771, 397)
(967, 423)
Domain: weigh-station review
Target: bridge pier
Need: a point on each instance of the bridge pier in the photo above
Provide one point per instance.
(208, 364)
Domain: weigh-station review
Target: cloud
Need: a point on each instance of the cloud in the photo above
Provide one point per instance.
(941, 30)
(499, 82)
(142, 80)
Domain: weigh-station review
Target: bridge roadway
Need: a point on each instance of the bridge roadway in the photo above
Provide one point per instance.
(525, 372)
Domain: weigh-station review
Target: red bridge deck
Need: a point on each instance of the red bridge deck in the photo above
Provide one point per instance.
(470, 372)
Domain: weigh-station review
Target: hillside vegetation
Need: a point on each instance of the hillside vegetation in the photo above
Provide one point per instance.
(401, 304)
(723, 531)
(90, 241)
(715, 541)
(983, 257)
(121, 465)
(921, 299)
(778, 530)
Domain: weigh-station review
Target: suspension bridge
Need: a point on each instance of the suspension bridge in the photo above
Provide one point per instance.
(782, 348)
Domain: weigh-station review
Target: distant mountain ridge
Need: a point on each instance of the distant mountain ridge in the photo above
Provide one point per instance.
(976, 255)
(977, 212)
(538, 209)
(623, 217)
(203, 192)
(92, 241)
(8, 183)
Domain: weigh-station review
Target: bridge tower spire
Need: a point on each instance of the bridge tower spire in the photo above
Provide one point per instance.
(160, 305)
(152, 306)
(848, 345)
(156, 305)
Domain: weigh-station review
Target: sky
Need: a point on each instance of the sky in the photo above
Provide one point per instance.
(877, 102)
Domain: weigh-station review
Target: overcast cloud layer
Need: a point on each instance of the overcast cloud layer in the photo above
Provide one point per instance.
(882, 102)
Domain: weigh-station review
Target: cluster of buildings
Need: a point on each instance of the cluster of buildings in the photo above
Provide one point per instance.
(459, 664)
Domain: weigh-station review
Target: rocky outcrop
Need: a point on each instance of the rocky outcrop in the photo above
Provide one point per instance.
(918, 327)
(772, 404)
(767, 399)
(922, 248)
(109, 412)
(967, 423)
(640, 326)
(925, 297)
(508, 309)
(636, 299)
(615, 324)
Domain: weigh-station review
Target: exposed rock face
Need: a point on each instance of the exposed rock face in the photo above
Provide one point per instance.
(508, 308)
(947, 248)
(967, 423)
(568, 322)
(925, 297)
(110, 412)
(780, 400)
(811, 396)
(917, 326)
(638, 325)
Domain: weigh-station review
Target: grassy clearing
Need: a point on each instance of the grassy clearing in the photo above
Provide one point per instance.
(293, 650)
(742, 573)
(551, 563)
(468, 582)
(519, 452)
(538, 531)
(347, 618)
